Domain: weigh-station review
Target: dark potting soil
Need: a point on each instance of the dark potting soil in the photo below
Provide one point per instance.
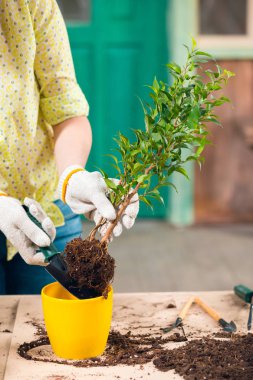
(125, 349)
(223, 334)
(40, 330)
(90, 267)
(198, 359)
(209, 358)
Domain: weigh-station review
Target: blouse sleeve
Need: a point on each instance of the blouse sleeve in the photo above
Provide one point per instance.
(60, 96)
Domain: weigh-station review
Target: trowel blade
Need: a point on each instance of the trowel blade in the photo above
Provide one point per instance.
(58, 269)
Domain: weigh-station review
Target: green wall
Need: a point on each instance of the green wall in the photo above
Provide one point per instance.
(116, 54)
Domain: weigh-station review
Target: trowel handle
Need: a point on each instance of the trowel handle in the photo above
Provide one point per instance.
(49, 251)
(207, 309)
(186, 308)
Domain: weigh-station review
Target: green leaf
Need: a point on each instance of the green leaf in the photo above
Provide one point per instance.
(146, 201)
(194, 43)
(213, 120)
(194, 116)
(104, 174)
(156, 84)
(123, 138)
(167, 183)
(167, 94)
(156, 195)
(226, 99)
(228, 73)
(174, 67)
(199, 52)
(143, 178)
(156, 137)
(110, 184)
(200, 150)
(116, 167)
(191, 158)
(182, 171)
(137, 167)
(113, 157)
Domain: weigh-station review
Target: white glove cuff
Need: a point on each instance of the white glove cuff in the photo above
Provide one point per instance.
(64, 178)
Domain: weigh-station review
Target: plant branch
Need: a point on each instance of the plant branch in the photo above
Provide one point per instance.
(123, 206)
(93, 232)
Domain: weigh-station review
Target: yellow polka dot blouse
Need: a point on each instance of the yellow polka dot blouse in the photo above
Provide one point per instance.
(38, 90)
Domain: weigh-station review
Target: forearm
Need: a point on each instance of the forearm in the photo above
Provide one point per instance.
(73, 139)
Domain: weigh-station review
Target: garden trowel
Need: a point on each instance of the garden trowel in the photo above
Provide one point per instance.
(178, 322)
(57, 266)
(226, 326)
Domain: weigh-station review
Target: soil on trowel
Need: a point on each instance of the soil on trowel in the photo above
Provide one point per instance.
(209, 358)
(90, 267)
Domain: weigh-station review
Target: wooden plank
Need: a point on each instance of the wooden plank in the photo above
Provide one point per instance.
(8, 309)
(5, 341)
(140, 313)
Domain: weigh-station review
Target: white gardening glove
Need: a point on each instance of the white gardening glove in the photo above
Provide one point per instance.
(85, 193)
(22, 232)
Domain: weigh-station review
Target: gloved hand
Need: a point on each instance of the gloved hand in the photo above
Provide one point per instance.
(127, 219)
(85, 193)
(22, 232)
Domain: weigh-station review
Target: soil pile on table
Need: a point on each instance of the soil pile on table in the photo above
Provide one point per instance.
(211, 359)
(90, 267)
(198, 359)
(125, 349)
(135, 349)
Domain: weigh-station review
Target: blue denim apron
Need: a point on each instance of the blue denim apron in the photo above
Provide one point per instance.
(17, 277)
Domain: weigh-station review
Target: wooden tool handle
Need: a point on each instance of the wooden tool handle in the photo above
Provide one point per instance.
(208, 309)
(186, 308)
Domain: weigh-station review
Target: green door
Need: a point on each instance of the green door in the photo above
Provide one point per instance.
(118, 47)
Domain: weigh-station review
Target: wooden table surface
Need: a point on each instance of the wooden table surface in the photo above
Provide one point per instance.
(139, 312)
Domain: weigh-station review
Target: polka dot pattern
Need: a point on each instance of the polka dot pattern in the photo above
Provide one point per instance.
(38, 90)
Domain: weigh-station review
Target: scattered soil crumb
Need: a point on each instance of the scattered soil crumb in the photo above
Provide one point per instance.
(40, 330)
(170, 306)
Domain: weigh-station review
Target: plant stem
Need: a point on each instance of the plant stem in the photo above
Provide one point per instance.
(123, 205)
(93, 232)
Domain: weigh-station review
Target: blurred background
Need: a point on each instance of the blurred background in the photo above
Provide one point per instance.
(202, 239)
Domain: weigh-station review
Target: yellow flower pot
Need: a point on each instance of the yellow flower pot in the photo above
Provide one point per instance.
(77, 329)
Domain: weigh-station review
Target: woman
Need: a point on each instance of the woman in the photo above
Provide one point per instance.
(45, 140)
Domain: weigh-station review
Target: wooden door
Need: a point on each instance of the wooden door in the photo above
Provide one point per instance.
(118, 49)
(224, 188)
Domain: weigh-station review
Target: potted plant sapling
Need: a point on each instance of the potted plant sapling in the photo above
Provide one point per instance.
(176, 120)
